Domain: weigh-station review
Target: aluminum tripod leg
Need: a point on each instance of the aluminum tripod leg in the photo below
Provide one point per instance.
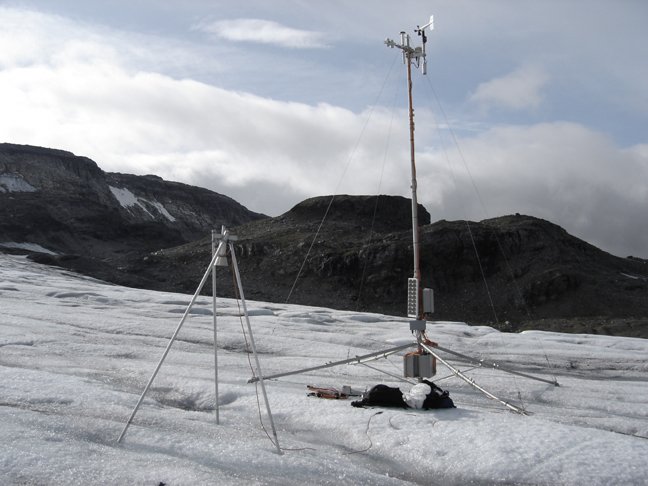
(168, 348)
(256, 356)
(496, 366)
(470, 381)
(214, 254)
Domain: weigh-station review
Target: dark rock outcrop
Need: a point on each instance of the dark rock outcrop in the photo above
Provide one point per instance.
(70, 207)
(347, 252)
(513, 272)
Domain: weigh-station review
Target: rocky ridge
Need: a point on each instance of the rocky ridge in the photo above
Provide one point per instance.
(347, 252)
(77, 214)
(514, 272)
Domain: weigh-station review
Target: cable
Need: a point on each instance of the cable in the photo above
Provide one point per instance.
(375, 211)
(497, 239)
(346, 168)
(247, 353)
(483, 274)
(367, 434)
(454, 178)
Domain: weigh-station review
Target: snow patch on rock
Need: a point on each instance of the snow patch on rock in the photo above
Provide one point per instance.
(162, 210)
(15, 183)
(27, 246)
(127, 200)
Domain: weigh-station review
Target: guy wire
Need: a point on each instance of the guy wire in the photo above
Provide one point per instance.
(346, 168)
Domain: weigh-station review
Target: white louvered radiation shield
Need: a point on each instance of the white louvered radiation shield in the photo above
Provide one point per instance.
(412, 297)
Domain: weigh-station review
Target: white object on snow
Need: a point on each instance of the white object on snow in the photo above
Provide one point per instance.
(417, 395)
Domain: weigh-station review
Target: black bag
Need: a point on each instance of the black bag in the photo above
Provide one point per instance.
(386, 396)
(437, 398)
(382, 396)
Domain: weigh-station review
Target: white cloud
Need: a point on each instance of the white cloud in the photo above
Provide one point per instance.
(518, 90)
(264, 32)
(563, 172)
(81, 93)
(66, 86)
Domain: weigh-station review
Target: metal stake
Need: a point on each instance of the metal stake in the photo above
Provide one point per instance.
(214, 254)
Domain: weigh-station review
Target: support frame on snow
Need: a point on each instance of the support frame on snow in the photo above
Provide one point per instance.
(219, 258)
(416, 295)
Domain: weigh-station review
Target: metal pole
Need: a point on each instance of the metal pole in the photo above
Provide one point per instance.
(399, 378)
(497, 366)
(357, 359)
(168, 348)
(415, 226)
(256, 356)
(471, 382)
(214, 254)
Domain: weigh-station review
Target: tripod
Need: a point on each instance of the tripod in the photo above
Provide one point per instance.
(219, 258)
(431, 349)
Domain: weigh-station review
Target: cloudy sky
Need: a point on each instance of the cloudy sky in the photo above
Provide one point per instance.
(532, 107)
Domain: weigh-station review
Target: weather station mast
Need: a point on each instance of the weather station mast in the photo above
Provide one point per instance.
(419, 301)
(421, 363)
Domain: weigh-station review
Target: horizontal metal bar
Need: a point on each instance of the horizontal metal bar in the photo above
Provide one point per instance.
(497, 366)
(472, 382)
(357, 359)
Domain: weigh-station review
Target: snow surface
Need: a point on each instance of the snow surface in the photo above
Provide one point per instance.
(76, 353)
(15, 183)
(127, 199)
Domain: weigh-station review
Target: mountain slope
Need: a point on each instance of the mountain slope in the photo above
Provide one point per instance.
(529, 272)
(68, 206)
(514, 272)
